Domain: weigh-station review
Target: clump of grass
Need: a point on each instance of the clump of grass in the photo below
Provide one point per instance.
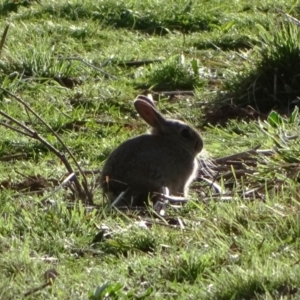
(272, 80)
(137, 240)
(188, 267)
(174, 73)
(255, 284)
(225, 42)
(40, 60)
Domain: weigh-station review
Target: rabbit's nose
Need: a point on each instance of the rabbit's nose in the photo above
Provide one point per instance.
(198, 146)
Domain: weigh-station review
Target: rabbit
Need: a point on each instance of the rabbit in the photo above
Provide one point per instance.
(142, 166)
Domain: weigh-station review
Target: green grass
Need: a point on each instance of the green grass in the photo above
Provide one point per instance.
(54, 57)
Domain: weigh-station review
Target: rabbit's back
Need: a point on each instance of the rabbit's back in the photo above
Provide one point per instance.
(145, 164)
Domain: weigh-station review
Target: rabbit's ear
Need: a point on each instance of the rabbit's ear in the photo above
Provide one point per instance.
(148, 112)
(145, 98)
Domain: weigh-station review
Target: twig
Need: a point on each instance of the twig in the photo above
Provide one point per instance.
(59, 187)
(33, 134)
(90, 65)
(214, 184)
(174, 93)
(104, 123)
(242, 155)
(87, 172)
(13, 156)
(3, 38)
(173, 199)
(41, 287)
(293, 19)
(49, 145)
(117, 200)
(138, 63)
(50, 276)
(13, 128)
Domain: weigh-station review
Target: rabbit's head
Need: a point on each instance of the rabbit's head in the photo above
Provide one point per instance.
(176, 131)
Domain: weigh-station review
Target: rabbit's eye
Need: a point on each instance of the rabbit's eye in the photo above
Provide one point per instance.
(185, 133)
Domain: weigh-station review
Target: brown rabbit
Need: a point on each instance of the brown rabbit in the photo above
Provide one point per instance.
(141, 166)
